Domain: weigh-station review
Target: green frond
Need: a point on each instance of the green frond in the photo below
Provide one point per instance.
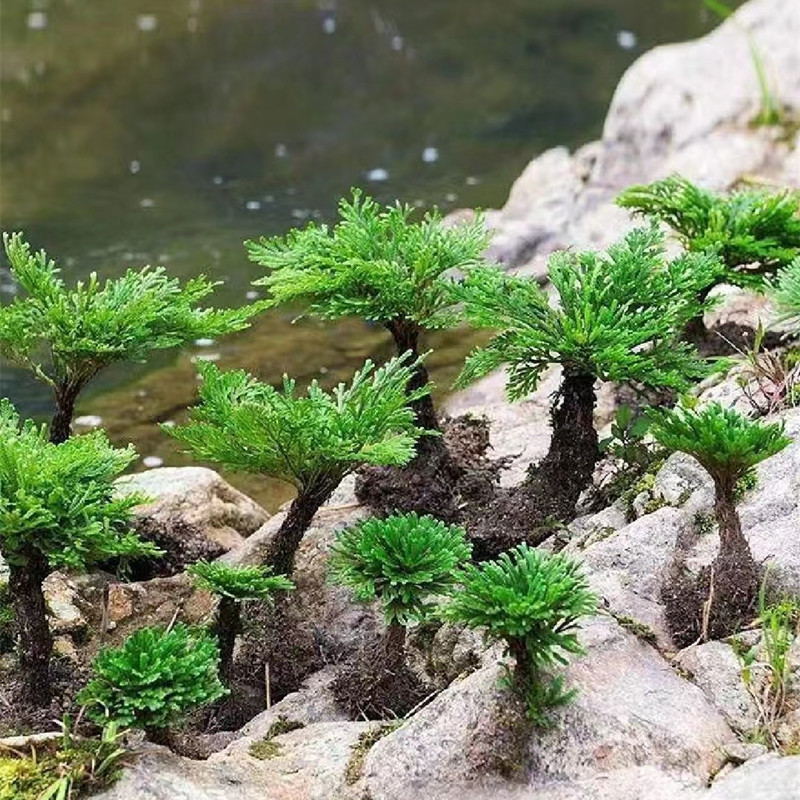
(785, 291)
(248, 425)
(402, 560)
(725, 442)
(238, 582)
(155, 678)
(60, 499)
(375, 263)
(619, 316)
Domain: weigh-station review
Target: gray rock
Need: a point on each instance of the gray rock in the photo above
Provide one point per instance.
(717, 670)
(766, 778)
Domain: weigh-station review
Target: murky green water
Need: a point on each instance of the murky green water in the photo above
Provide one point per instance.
(167, 132)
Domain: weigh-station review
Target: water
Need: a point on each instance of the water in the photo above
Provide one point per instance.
(136, 132)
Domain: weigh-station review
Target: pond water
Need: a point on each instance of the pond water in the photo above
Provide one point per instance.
(139, 132)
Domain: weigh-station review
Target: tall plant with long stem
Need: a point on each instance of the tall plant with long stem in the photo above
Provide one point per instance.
(66, 336)
(309, 441)
(57, 509)
(619, 318)
(728, 445)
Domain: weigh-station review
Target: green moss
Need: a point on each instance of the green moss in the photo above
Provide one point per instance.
(704, 523)
(746, 483)
(265, 748)
(638, 629)
(6, 620)
(360, 749)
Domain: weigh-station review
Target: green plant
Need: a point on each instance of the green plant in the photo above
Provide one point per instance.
(233, 585)
(62, 770)
(359, 751)
(532, 601)
(619, 317)
(754, 233)
(770, 112)
(154, 679)
(265, 748)
(66, 336)
(57, 509)
(403, 560)
(728, 446)
(311, 442)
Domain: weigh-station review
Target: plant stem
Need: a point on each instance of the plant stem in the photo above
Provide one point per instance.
(66, 395)
(228, 627)
(284, 544)
(523, 669)
(35, 640)
(567, 468)
(394, 646)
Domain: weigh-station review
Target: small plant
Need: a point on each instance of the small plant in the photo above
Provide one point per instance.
(607, 327)
(532, 601)
(770, 112)
(66, 336)
(404, 561)
(728, 446)
(57, 509)
(234, 585)
(154, 679)
(70, 768)
(311, 442)
(265, 748)
(754, 233)
(378, 264)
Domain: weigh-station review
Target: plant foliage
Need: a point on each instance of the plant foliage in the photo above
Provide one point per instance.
(67, 335)
(238, 582)
(59, 499)
(402, 560)
(786, 291)
(154, 678)
(745, 228)
(375, 263)
(251, 426)
(726, 443)
(618, 318)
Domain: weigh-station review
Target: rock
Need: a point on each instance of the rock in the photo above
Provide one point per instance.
(201, 499)
(632, 711)
(717, 670)
(766, 778)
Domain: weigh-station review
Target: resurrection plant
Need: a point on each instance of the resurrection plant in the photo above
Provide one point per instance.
(754, 233)
(619, 317)
(310, 441)
(66, 336)
(403, 560)
(532, 601)
(727, 445)
(57, 510)
(233, 585)
(154, 679)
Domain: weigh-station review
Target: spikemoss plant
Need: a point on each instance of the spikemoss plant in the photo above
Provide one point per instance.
(57, 510)
(310, 441)
(66, 336)
(619, 318)
(728, 445)
(154, 679)
(234, 584)
(532, 601)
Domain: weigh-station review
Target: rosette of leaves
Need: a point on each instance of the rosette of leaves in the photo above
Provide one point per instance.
(619, 318)
(234, 584)
(753, 232)
(154, 679)
(532, 601)
(728, 445)
(309, 441)
(58, 509)
(66, 335)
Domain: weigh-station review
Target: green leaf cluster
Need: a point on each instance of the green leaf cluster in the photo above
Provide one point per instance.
(67, 335)
(59, 499)
(304, 440)
(154, 678)
(375, 263)
(726, 443)
(402, 560)
(785, 291)
(753, 232)
(238, 582)
(618, 318)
